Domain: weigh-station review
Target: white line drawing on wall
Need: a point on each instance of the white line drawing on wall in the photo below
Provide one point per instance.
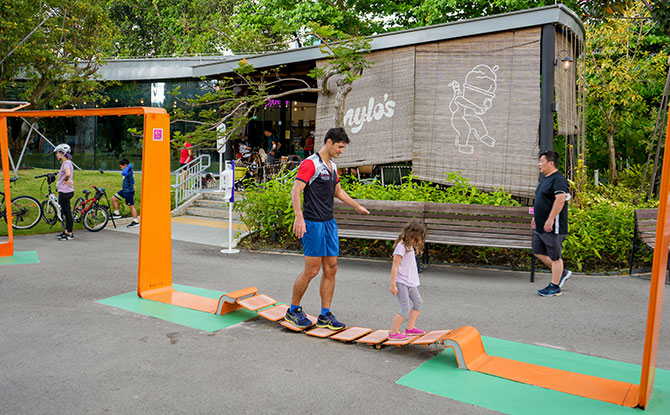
(468, 104)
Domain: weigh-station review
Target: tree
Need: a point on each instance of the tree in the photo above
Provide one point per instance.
(151, 28)
(622, 71)
(234, 100)
(50, 51)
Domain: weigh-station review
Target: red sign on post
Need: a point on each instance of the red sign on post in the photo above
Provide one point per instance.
(158, 134)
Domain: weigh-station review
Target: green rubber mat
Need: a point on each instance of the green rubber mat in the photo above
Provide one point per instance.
(180, 315)
(20, 257)
(441, 376)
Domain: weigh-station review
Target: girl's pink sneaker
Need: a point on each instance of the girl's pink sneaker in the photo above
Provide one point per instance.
(414, 332)
(397, 336)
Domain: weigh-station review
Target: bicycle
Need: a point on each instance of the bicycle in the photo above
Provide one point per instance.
(26, 210)
(89, 211)
(51, 209)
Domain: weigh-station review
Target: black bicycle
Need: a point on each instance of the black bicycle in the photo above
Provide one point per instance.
(26, 210)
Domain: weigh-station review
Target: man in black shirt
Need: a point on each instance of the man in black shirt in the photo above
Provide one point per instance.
(550, 221)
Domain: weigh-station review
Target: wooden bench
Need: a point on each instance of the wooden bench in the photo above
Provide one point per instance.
(386, 220)
(645, 230)
(446, 223)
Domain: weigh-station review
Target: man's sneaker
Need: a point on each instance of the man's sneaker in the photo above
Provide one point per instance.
(298, 318)
(328, 321)
(549, 290)
(132, 224)
(564, 277)
(397, 336)
(66, 237)
(414, 332)
(60, 235)
(115, 216)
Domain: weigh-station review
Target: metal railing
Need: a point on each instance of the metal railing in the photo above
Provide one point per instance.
(189, 179)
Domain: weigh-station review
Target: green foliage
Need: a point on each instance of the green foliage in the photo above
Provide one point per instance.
(626, 66)
(266, 208)
(57, 62)
(461, 191)
(170, 27)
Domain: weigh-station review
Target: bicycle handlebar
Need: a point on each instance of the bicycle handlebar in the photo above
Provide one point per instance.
(46, 175)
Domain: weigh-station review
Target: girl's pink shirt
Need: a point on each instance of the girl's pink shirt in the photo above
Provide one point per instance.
(408, 274)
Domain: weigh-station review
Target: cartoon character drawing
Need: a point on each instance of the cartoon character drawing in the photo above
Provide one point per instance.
(468, 104)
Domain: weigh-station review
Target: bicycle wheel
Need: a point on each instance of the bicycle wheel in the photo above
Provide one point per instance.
(26, 212)
(96, 218)
(49, 212)
(78, 209)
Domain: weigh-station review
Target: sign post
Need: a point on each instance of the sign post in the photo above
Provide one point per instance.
(228, 183)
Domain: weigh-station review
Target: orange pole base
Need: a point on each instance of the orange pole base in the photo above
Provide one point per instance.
(467, 344)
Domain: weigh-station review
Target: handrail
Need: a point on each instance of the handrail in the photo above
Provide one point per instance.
(189, 182)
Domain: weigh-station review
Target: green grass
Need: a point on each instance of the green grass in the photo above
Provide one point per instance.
(83, 179)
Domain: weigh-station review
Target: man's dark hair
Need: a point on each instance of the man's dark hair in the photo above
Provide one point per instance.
(551, 155)
(337, 135)
(123, 162)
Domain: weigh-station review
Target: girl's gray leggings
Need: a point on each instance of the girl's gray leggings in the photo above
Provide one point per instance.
(405, 294)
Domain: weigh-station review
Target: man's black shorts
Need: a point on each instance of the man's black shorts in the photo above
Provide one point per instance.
(549, 244)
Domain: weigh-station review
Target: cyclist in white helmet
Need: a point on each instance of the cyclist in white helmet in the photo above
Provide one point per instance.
(65, 187)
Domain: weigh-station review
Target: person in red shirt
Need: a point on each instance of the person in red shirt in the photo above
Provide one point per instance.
(186, 154)
(314, 223)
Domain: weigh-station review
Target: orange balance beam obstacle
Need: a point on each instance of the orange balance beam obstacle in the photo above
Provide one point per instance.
(155, 278)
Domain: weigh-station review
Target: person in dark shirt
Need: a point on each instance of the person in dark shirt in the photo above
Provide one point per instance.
(317, 179)
(550, 221)
(273, 147)
(126, 193)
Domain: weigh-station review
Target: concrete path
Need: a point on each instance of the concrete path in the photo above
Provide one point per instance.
(62, 352)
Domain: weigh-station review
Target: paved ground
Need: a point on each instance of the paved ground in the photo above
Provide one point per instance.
(62, 352)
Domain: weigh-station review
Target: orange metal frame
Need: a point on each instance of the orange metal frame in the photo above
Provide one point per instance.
(155, 270)
(6, 248)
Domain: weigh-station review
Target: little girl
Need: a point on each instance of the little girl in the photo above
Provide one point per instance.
(405, 278)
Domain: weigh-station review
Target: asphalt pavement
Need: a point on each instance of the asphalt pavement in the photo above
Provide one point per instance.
(63, 352)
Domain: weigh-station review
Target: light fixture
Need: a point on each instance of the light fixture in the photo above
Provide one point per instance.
(141, 100)
(566, 60)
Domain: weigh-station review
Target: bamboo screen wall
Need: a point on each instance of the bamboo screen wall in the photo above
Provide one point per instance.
(470, 105)
(478, 110)
(379, 111)
(565, 83)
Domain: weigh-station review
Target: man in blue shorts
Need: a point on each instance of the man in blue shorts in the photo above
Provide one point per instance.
(314, 223)
(126, 193)
(550, 221)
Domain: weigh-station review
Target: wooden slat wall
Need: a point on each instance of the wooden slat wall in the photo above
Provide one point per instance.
(388, 139)
(512, 120)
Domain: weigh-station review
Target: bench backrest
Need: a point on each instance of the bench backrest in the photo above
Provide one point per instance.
(385, 215)
(446, 223)
(645, 221)
(478, 225)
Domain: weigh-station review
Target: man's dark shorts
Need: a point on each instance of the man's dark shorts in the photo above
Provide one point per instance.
(549, 244)
(127, 196)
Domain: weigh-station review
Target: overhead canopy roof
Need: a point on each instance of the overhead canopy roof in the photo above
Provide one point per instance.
(193, 67)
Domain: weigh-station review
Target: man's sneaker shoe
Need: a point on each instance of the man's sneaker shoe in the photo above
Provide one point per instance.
(414, 332)
(549, 290)
(397, 336)
(566, 276)
(60, 235)
(298, 318)
(66, 237)
(115, 216)
(132, 224)
(328, 321)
